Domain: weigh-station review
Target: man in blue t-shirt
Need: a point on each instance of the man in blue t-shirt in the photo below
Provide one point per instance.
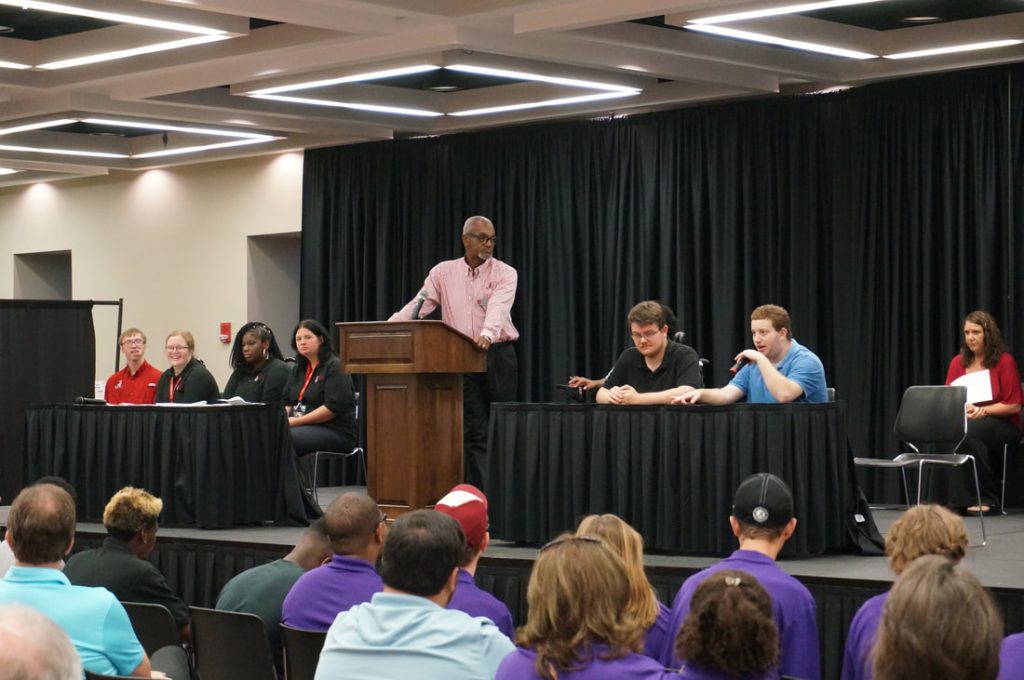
(777, 370)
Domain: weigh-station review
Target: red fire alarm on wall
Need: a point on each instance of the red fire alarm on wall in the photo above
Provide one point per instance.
(225, 332)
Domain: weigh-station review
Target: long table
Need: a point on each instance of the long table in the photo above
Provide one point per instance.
(213, 466)
(670, 471)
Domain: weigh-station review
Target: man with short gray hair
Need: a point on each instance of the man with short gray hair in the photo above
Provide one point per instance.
(476, 293)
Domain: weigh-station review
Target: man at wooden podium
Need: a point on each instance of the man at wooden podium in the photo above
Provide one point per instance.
(476, 293)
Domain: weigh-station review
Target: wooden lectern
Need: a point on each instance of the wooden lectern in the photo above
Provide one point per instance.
(413, 406)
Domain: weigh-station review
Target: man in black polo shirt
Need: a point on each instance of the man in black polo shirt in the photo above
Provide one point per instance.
(655, 370)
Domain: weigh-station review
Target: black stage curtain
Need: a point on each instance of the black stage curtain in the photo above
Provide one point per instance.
(878, 216)
(58, 339)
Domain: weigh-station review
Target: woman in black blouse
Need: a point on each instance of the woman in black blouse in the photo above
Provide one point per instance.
(319, 398)
(260, 372)
(187, 380)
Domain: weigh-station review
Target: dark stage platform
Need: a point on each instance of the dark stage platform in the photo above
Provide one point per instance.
(198, 562)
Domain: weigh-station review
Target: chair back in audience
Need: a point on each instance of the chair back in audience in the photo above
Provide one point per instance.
(153, 625)
(230, 645)
(301, 651)
(89, 675)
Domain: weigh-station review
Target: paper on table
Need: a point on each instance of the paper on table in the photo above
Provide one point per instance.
(978, 384)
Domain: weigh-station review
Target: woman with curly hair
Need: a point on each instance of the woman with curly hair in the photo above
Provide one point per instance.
(650, 614)
(259, 372)
(730, 632)
(577, 628)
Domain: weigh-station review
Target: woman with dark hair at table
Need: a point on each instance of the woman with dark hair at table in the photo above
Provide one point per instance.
(991, 423)
(187, 380)
(319, 398)
(260, 372)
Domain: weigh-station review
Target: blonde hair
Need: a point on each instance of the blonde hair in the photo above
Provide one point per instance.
(629, 544)
(925, 530)
(577, 596)
(131, 509)
(938, 622)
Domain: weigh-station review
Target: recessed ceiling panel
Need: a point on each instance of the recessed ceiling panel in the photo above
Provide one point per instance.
(893, 14)
(33, 24)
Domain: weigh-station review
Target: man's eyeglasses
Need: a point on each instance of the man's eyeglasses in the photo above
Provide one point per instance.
(383, 518)
(646, 335)
(132, 341)
(484, 238)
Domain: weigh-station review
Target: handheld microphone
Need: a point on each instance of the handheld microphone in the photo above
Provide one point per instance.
(735, 368)
(422, 297)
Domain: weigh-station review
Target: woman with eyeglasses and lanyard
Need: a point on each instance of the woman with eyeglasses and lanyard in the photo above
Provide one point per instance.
(319, 398)
(187, 380)
(260, 372)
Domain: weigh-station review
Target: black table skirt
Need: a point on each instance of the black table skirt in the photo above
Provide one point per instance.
(669, 471)
(213, 466)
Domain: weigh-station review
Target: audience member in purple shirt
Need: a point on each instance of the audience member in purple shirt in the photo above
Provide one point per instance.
(577, 626)
(644, 608)
(921, 530)
(522, 665)
(1011, 657)
(730, 632)
(762, 519)
(357, 528)
(468, 506)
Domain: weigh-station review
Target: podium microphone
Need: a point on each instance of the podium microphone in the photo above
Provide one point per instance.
(422, 297)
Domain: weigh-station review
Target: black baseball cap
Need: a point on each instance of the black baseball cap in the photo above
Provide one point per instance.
(763, 500)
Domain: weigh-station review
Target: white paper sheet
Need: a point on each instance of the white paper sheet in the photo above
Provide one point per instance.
(978, 384)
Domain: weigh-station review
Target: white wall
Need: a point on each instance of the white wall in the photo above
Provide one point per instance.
(171, 242)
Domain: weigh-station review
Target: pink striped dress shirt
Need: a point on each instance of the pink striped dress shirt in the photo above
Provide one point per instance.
(473, 301)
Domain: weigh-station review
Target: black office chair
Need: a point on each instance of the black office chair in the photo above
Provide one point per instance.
(153, 625)
(358, 451)
(301, 651)
(831, 393)
(230, 645)
(930, 414)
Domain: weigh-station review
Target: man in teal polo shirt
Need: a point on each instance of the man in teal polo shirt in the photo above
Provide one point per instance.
(41, 531)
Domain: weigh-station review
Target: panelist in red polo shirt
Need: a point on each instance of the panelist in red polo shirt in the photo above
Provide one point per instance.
(136, 382)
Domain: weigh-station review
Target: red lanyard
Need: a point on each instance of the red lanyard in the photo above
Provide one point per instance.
(309, 374)
(174, 386)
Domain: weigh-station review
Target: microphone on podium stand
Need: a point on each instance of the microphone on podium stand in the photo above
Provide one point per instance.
(422, 297)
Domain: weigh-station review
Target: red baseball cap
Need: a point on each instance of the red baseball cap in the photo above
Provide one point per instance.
(468, 506)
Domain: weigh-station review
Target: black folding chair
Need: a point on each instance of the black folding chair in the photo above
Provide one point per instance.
(153, 625)
(230, 645)
(301, 651)
(930, 414)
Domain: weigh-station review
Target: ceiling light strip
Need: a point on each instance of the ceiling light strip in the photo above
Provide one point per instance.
(63, 152)
(204, 147)
(177, 128)
(355, 78)
(350, 105)
(535, 77)
(566, 101)
(782, 42)
(777, 11)
(952, 49)
(37, 126)
(112, 16)
(131, 52)
(14, 65)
